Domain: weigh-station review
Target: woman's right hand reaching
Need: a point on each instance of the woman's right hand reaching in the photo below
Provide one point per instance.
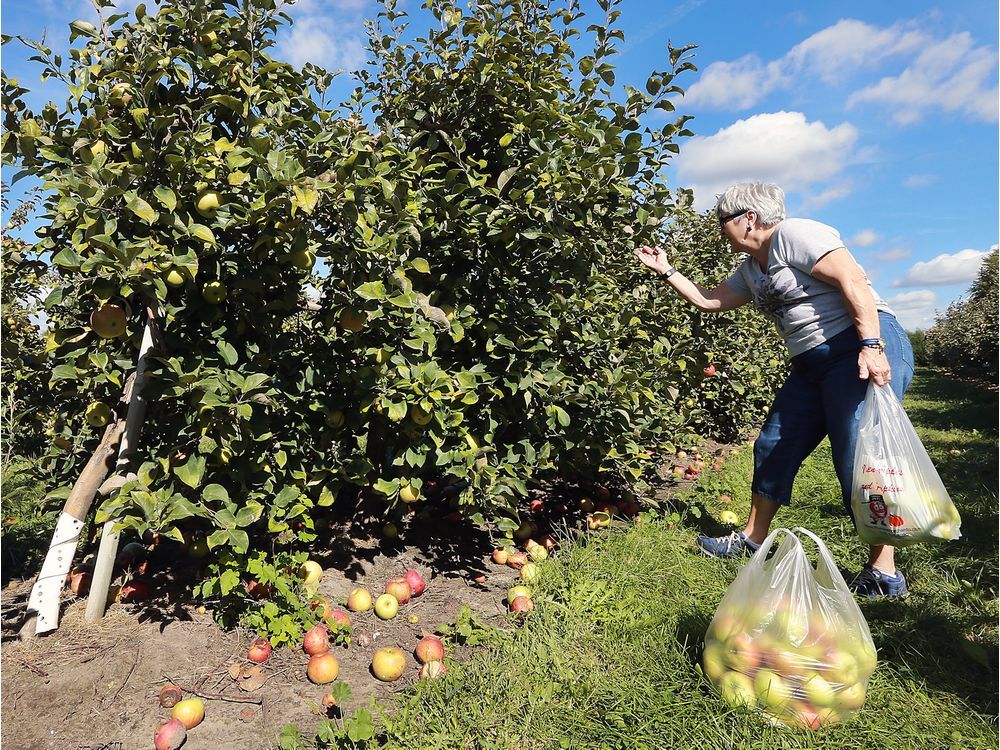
(653, 257)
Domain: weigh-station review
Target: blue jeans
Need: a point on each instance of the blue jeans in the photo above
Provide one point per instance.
(822, 396)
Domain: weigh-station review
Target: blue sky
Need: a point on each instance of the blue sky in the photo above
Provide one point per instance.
(879, 118)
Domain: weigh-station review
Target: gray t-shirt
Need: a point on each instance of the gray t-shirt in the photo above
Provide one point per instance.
(806, 311)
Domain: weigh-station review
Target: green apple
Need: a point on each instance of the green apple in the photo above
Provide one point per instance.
(842, 667)
(98, 414)
(335, 418)
(714, 660)
(174, 278)
(208, 204)
(386, 606)
(737, 689)
(303, 259)
(515, 591)
(819, 692)
(729, 518)
(850, 697)
(771, 689)
(214, 292)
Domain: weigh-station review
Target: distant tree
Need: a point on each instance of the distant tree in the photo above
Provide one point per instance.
(964, 337)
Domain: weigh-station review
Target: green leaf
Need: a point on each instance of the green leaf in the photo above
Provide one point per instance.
(371, 290)
(202, 233)
(192, 472)
(165, 196)
(229, 580)
(215, 493)
(228, 353)
(140, 208)
(420, 265)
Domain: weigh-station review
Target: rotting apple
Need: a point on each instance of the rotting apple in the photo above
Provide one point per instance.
(169, 735)
(432, 670)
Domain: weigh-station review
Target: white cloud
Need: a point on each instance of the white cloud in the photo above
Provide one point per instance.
(955, 268)
(919, 181)
(864, 238)
(952, 75)
(323, 41)
(849, 45)
(781, 147)
(734, 85)
(915, 310)
(892, 254)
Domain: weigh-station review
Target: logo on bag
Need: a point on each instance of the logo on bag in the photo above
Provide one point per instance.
(877, 506)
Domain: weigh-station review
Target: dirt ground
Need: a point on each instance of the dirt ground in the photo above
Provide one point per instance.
(95, 686)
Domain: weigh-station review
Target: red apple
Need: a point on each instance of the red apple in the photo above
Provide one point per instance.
(399, 588)
(516, 560)
(500, 556)
(537, 505)
(416, 581)
(316, 640)
(323, 668)
(136, 590)
(522, 605)
(429, 649)
(169, 735)
(340, 618)
(260, 651)
(709, 371)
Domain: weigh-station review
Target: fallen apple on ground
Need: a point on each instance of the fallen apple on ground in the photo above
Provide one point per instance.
(316, 640)
(189, 712)
(388, 664)
(400, 589)
(169, 735)
(260, 651)
(359, 600)
(417, 583)
(386, 606)
(429, 649)
(323, 668)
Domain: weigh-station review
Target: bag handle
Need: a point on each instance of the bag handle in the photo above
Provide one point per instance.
(826, 560)
(759, 558)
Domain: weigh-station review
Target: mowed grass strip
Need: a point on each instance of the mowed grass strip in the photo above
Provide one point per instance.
(609, 659)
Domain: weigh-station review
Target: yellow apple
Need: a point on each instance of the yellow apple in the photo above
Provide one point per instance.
(98, 414)
(208, 204)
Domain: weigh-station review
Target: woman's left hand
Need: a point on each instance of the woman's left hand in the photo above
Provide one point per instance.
(873, 363)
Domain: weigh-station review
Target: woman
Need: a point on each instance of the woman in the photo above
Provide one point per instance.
(839, 332)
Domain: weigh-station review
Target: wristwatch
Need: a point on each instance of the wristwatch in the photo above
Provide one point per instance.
(669, 272)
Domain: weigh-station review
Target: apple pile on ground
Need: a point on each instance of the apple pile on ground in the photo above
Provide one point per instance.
(803, 670)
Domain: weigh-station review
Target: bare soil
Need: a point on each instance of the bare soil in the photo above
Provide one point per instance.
(95, 686)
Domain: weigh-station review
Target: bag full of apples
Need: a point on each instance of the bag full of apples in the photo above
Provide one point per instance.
(897, 496)
(789, 638)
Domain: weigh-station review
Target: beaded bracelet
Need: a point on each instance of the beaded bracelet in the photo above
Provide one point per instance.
(872, 344)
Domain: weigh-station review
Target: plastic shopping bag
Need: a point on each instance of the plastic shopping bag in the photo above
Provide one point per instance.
(897, 496)
(789, 638)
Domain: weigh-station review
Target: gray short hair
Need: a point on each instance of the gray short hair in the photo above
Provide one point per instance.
(766, 199)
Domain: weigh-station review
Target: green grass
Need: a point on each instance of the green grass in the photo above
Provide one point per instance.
(609, 658)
